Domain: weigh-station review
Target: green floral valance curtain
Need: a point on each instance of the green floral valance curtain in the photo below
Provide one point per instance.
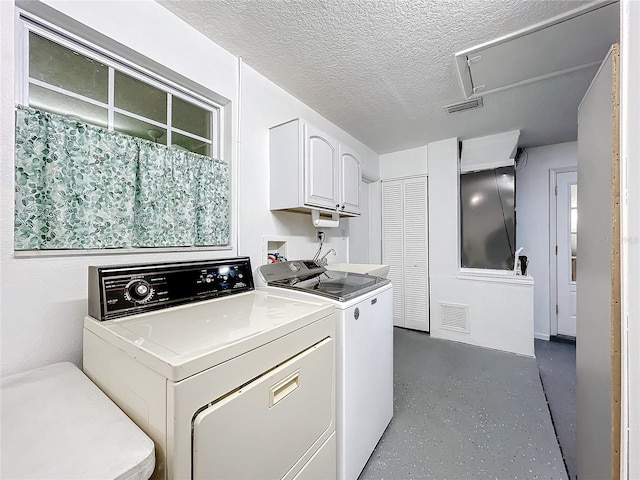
(85, 187)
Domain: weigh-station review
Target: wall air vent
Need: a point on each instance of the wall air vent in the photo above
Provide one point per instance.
(454, 317)
(464, 106)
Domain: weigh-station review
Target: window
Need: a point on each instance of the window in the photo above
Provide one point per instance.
(109, 156)
(487, 211)
(66, 78)
(574, 230)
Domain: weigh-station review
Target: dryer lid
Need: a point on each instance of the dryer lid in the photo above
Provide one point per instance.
(181, 341)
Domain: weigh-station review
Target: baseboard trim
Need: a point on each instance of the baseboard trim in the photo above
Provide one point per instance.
(541, 336)
(563, 339)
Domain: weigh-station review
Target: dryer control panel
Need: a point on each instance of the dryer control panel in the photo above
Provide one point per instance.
(122, 290)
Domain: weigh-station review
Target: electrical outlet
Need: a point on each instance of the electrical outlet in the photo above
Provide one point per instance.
(321, 237)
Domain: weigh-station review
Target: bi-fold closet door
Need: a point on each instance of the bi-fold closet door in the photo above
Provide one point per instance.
(405, 249)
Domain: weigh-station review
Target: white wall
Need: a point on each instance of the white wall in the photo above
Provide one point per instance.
(43, 299)
(264, 105)
(500, 307)
(359, 229)
(405, 163)
(532, 228)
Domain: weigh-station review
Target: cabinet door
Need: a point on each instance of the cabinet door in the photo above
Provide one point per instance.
(320, 169)
(416, 273)
(392, 244)
(350, 178)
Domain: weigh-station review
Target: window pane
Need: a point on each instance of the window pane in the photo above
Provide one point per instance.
(573, 269)
(488, 218)
(140, 98)
(574, 220)
(139, 129)
(62, 67)
(574, 195)
(191, 144)
(190, 118)
(45, 99)
(574, 244)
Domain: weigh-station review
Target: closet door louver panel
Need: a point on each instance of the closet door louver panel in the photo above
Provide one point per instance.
(416, 291)
(392, 244)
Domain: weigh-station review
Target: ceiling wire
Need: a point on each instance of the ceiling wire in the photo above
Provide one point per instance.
(504, 218)
(520, 162)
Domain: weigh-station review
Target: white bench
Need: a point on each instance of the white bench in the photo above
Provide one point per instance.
(56, 424)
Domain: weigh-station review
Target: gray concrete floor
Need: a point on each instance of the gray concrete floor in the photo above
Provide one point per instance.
(463, 412)
(557, 364)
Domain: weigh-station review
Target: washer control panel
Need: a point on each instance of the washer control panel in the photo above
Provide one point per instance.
(294, 270)
(117, 291)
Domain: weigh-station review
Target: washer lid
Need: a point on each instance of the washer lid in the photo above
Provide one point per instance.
(181, 341)
(340, 286)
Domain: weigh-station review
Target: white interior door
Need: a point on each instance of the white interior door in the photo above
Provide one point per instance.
(566, 258)
(359, 227)
(375, 221)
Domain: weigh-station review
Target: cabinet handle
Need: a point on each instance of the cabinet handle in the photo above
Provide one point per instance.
(342, 207)
(337, 206)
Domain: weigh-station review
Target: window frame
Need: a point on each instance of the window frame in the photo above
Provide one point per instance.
(484, 271)
(26, 22)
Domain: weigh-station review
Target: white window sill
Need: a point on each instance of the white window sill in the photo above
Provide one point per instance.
(112, 251)
(494, 276)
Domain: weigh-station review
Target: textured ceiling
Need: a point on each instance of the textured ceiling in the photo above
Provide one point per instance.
(383, 69)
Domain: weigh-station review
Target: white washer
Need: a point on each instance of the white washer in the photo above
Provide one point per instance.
(364, 375)
(238, 386)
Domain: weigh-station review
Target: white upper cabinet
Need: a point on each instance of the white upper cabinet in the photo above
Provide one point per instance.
(310, 170)
(320, 169)
(350, 179)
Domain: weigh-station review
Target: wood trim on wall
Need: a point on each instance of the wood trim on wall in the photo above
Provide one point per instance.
(615, 268)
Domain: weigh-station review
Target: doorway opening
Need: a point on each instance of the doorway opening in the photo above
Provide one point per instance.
(563, 243)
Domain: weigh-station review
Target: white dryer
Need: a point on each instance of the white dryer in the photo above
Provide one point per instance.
(228, 381)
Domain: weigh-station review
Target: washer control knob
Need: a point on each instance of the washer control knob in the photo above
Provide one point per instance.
(138, 291)
(294, 267)
(142, 289)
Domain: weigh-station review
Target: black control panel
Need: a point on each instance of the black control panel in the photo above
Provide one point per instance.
(117, 291)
